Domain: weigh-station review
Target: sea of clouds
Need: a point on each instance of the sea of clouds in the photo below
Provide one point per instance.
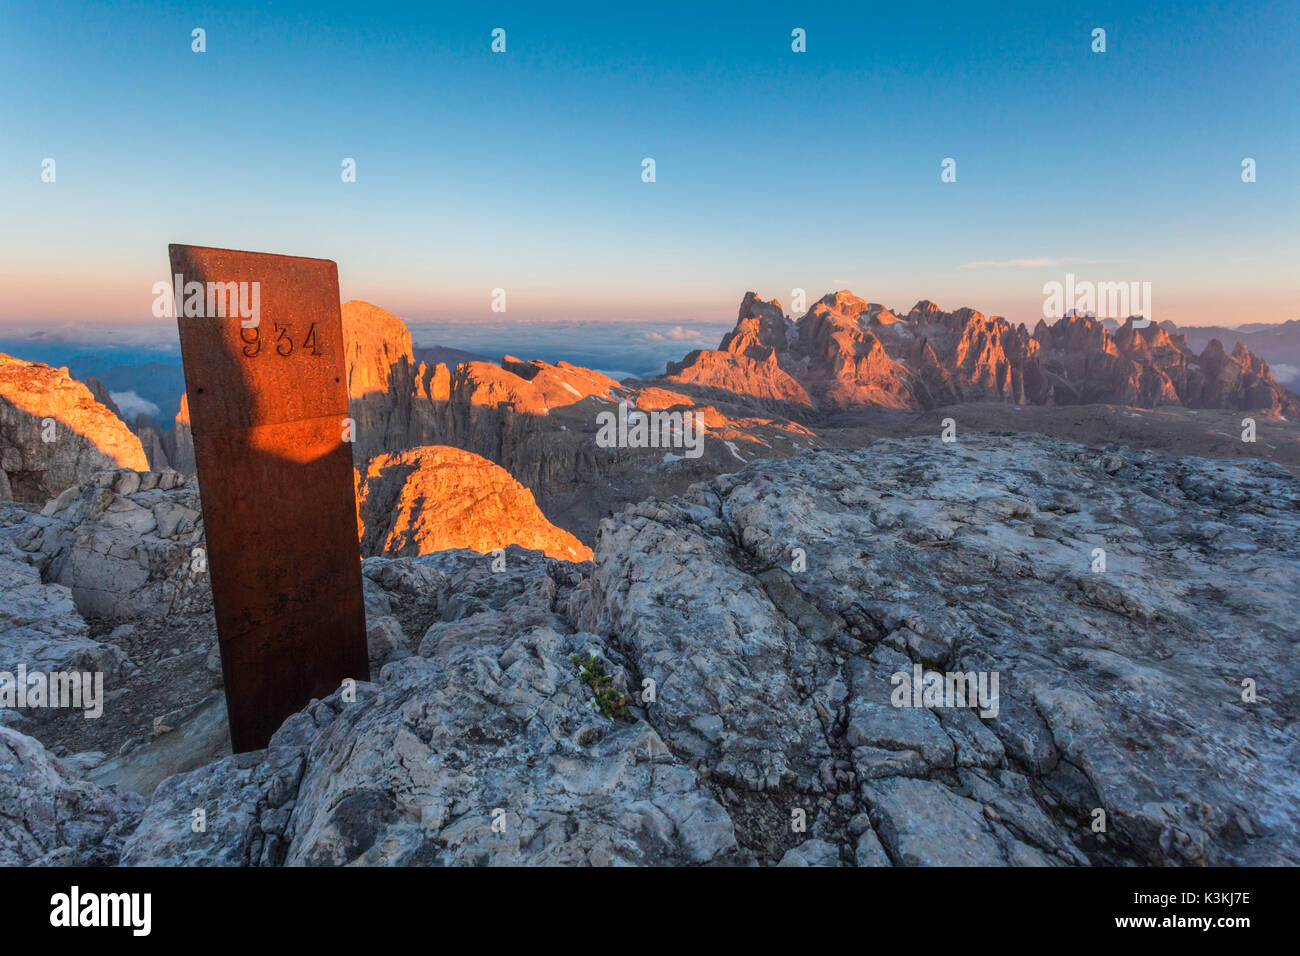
(618, 349)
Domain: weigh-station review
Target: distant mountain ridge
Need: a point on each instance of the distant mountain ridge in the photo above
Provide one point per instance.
(1278, 342)
(846, 353)
(775, 385)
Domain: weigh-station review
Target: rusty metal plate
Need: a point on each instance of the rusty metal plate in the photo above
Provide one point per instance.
(267, 407)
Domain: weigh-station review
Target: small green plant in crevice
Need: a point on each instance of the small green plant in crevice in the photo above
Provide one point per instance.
(606, 698)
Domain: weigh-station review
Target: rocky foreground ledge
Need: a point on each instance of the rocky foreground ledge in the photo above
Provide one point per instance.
(770, 611)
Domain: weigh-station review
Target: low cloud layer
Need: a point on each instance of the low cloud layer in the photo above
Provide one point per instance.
(132, 404)
(630, 351)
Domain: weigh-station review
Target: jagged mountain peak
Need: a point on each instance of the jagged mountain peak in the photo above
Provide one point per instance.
(844, 301)
(752, 306)
(846, 352)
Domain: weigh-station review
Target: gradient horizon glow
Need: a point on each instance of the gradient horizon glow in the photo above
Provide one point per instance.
(775, 169)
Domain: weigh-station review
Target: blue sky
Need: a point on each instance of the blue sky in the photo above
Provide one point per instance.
(775, 169)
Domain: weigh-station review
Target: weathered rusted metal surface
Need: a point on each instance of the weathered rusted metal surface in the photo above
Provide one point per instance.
(267, 408)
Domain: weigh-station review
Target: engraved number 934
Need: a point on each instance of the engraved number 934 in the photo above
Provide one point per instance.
(280, 339)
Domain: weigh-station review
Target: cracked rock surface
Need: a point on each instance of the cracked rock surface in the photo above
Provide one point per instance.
(1138, 610)
(1121, 690)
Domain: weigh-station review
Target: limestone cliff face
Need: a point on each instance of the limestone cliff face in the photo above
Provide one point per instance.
(439, 498)
(849, 353)
(746, 361)
(374, 340)
(152, 439)
(142, 426)
(538, 420)
(844, 360)
(381, 372)
(178, 441)
(399, 403)
(53, 434)
(102, 395)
